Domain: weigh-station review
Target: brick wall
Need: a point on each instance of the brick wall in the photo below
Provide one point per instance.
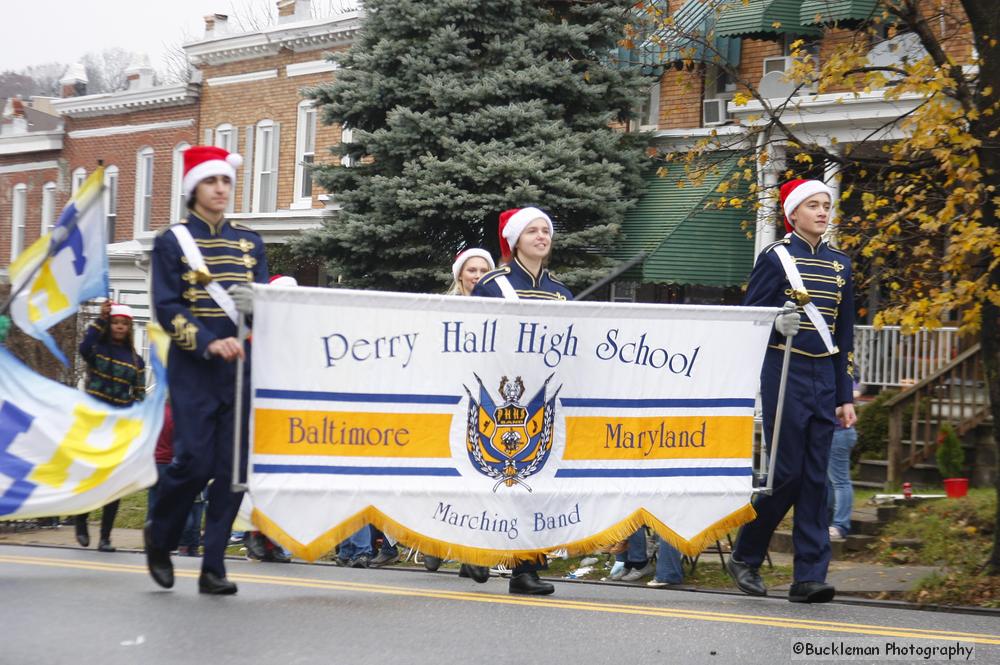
(121, 150)
(680, 98)
(245, 104)
(34, 180)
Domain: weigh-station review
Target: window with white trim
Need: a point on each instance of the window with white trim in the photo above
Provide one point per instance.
(346, 136)
(178, 202)
(305, 153)
(111, 200)
(48, 206)
(265, 180)
(78, 178)
(144, 190)
(225, 138)
(19, 202)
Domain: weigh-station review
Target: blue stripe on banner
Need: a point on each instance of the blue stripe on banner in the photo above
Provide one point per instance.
(357, 470)
(374, 398)
(600, 402)
(655, 473)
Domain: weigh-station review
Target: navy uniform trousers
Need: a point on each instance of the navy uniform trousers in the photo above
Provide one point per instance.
(807, 425)
(204, 391)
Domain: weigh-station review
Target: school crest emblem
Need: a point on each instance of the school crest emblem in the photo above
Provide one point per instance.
(512, 441)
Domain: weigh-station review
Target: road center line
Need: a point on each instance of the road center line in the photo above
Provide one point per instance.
(550, 603)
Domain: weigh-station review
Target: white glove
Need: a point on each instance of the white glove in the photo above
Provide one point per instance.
(787, 323)
(242, 296)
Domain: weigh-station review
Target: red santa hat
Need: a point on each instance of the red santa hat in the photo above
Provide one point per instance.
(465, 255)
(794, 192)
(121, 310)
(282, 280)
(512, 224)
(205, 161)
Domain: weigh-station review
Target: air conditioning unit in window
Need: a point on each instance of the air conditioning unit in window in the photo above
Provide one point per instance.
(780, 64)
(713, 112)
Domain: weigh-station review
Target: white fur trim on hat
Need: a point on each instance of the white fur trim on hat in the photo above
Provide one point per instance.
(283, 280)
(520, 220)
(803, 192)
(209, 168)
(470, 253)
(121, 310)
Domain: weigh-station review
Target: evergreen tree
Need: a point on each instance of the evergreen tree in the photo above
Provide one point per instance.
(460, 109)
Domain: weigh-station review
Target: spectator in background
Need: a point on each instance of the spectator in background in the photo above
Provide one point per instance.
(115, 375)
(840, 491)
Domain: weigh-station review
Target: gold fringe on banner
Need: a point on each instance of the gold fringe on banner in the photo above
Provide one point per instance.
(488, 557)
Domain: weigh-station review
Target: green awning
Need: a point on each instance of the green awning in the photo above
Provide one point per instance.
(818, 12)
(762, 18)
(687, 241)
(693, 26)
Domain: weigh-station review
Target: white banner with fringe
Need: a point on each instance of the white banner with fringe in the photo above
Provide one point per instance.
(490, 430)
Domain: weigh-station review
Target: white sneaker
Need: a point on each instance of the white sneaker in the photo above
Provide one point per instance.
(617, 571)
(637, 574)
(835, 534)
(658, 584)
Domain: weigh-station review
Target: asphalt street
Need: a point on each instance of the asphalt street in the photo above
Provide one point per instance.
(67, 606)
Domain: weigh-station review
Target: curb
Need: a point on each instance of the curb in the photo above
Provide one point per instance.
(839, 600)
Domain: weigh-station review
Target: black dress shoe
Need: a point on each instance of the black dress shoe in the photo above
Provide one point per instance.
(105, 545)
(529, 584)
(811, 592)
(480, 574)
(747, 578)
(82, 534)
(431, 563)
(214, 585)
(157, 560)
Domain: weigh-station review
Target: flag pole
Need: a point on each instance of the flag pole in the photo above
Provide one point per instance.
(236, 484)
(611, 276)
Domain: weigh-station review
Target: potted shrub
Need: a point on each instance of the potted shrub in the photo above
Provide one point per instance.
(950, 460)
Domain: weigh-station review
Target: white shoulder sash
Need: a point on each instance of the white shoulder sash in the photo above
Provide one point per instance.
(197, 263)
(795, 279)
(506, 288)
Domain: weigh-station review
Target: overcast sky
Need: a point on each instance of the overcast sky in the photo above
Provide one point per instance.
(40, 31)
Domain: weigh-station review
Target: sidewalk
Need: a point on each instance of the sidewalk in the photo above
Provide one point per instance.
(849, 577)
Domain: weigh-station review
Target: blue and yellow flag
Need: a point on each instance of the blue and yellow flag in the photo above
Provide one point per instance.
(63, 452)
(76, 269)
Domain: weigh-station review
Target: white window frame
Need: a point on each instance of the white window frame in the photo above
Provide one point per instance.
(263, 168)
(305, 154)
(649, 113)
(18, 219)
(144, 171)
(224, 137)
(178, 203)
(48, 206)
(78, 178)
(111, 183)
(346, 136)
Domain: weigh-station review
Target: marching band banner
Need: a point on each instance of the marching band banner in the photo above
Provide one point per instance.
(489, 430)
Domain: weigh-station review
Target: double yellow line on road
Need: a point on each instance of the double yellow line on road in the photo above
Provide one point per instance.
(534, 601)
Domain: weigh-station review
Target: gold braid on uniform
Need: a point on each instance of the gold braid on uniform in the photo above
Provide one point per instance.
(184, 333)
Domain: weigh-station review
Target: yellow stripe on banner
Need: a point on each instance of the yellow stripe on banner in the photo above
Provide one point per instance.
(680, 437)
(347, 434)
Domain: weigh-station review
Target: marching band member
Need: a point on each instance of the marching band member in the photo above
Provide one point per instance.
(469, 267)
(116, 374)
(803, 268)
(193, 264)
(525, 245)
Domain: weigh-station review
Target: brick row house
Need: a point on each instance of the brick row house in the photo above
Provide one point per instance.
(244, 95)
(704, 255)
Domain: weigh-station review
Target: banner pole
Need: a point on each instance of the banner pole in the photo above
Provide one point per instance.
(778, 412)
(236, 485)
(611, 276)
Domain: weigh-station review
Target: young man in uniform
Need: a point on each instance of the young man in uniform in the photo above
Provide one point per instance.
(195, 264)
(803, 268)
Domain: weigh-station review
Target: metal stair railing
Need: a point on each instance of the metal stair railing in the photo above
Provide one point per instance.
(955, 394)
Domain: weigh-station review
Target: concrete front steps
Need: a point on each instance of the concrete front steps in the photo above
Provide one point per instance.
(867, 523)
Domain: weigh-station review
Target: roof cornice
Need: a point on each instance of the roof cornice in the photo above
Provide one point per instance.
(299, 36)
(127, 101)
(31, 142)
